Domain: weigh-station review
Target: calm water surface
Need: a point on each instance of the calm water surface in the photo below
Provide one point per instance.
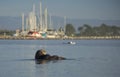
(88, 58)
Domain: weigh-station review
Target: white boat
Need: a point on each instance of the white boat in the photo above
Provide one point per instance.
(34, 34)
(71, 42)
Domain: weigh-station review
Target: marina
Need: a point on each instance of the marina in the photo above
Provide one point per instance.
(39, 26)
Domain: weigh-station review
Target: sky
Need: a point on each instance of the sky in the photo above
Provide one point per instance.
(75, 9)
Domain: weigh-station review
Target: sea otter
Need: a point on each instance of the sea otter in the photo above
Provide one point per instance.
(42, 55)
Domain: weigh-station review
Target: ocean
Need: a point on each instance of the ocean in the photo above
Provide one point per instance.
(87, 58)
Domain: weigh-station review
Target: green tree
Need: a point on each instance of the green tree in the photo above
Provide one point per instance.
(7, 32)
(102, 30)
(115, 30)
(86, 30)
(70, 30)
(60, 29)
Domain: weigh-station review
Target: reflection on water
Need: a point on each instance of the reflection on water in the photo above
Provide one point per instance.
(45, 61)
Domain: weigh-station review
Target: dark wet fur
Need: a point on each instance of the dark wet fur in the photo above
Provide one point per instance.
(47, 57)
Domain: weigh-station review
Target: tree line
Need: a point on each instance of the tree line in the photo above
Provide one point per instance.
(6, 32)
(87, 30)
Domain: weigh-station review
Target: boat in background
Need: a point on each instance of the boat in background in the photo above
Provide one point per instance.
(71, 42)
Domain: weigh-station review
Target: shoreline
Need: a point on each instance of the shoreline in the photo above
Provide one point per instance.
(68, 38)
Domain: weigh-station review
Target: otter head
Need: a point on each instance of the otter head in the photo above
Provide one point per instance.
(40, 53)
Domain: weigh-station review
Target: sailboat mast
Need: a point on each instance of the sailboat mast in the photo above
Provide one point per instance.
(41, 25)
(34, 9)
(64, 24)
(22, 22)
(34, 18)
(50, 22)
(45, 19)
(26, 24)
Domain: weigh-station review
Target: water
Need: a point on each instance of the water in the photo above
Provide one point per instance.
(88, 58)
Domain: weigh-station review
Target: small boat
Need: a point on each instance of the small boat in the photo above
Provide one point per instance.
(71, 42)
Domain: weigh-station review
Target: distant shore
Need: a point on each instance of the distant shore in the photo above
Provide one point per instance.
(68, 38)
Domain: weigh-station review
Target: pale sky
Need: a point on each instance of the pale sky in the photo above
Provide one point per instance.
(80, 9)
